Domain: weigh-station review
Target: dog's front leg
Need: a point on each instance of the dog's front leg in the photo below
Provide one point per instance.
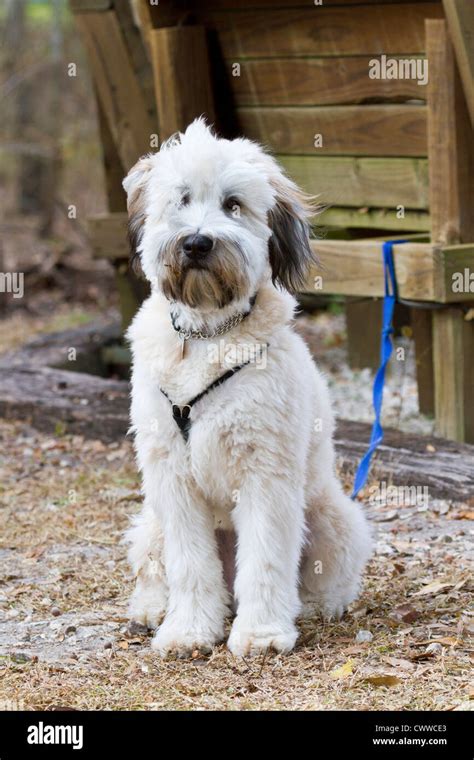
(198, 598)
(269, 520)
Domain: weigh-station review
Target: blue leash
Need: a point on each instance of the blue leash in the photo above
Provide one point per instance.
(386, 347)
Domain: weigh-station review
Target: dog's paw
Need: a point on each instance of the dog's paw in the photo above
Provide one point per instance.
(329, 603)
(327, 610)
(251, 640)
(148, 605)
(172, 638)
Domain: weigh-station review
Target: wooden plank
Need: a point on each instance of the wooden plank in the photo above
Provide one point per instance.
(320, 30)
(382, 130)
(424, 272)
(355, 268)
(460, 18)
(373, 218)
(377, 182)
(453, 352)
(182, 77)
(450, 144)
(119, 92)
(314, 81)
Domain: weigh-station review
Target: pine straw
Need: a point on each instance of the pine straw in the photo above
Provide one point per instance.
(65, 503)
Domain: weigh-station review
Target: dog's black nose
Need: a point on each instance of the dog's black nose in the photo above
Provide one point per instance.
(197, 246)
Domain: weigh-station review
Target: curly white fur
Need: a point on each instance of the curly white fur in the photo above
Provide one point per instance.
(260, 457)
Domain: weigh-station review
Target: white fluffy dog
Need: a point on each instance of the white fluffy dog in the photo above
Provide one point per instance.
(222, 235)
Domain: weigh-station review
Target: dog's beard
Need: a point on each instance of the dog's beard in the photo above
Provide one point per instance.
(214, 281)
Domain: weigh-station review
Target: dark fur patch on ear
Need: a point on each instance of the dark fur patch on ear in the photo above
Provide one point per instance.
(134, 185)
(135, 233)
(290, 252)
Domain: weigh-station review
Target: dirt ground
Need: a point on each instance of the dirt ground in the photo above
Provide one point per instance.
(64, 582)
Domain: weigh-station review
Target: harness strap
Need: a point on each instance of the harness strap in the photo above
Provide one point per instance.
(181, 413)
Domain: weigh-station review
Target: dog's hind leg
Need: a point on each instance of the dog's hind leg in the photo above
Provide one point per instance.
(149, 599)
(337, 549)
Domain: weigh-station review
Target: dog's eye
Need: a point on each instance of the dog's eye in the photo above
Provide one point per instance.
(185, 199)
(232, 204)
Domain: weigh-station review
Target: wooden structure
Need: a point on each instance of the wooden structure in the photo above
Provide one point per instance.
(392, 155)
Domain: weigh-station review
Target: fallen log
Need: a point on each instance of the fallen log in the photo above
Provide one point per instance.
(446, 468)
(58, 401)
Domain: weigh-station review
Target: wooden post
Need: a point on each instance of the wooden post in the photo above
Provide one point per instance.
(451, 168)
(127, 116)
(422, 329)
(123, 101)
(181, 72)
(131, 290)
(453, 348)
(363, 326)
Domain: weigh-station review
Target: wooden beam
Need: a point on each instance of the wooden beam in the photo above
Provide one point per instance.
(373, 218)
(121, 97)
(319, 30)
(360, 182)
(355, 268)
(424, 272)
(460, 18)
(313, 82)
(181, 70)
(382, 130)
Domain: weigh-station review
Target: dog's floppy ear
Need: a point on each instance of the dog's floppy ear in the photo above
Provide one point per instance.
(134, 185)
(290, 251)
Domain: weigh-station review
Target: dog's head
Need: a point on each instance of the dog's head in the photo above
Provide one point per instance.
(210, 219)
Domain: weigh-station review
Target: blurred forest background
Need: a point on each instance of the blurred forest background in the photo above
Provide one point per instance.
(51, 176)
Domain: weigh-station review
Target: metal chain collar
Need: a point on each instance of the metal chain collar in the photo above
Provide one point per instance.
(224, 327)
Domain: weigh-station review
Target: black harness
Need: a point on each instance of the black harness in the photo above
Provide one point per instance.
(181, 413)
